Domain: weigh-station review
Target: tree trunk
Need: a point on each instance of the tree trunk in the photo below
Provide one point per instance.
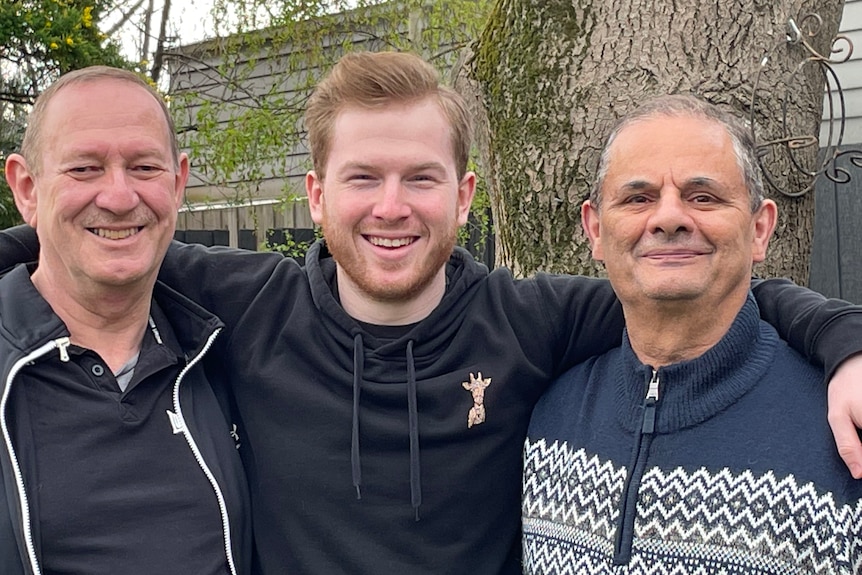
(159, 55)
(553, 76)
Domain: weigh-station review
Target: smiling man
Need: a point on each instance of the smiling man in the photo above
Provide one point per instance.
(388, 212)
(117, 456)
(700, 443)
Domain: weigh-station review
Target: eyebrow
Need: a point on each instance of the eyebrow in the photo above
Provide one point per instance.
(636, 185)
(371, 167)
(639, 185)
(702, 181)
(94, 153)
(430, 166)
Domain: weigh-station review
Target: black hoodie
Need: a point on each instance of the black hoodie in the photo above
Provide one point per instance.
(348, 474)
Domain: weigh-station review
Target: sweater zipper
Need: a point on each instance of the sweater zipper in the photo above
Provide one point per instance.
(650, 401)
(62, 344)
(178, 423)
(628, 502)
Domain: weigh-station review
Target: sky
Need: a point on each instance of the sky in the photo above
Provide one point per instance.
(189, 22)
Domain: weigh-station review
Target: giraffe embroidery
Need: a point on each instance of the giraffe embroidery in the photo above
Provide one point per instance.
(476, 386)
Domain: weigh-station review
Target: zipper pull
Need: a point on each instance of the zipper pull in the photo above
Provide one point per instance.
(63, 344)
(649, 404)
(177, 423)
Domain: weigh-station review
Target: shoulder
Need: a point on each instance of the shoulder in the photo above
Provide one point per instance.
(18, 244)
(574, 386)
(786, 361)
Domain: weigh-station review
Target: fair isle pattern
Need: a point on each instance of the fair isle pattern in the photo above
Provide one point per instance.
(705, 522)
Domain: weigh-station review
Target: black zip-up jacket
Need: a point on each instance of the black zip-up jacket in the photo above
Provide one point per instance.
(351, 435)
(201, 414)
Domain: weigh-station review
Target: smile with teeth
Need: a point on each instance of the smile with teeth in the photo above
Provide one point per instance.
(115, 234)
(390, 242)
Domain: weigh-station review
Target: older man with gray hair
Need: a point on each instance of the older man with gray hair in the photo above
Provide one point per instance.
(699, 445)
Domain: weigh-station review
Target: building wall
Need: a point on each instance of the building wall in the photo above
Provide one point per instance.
(210, 207)
(194, 69)
(836, 258)
(850, 77)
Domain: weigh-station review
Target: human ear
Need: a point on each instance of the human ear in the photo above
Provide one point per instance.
(23, 185)
(765, 219)
(590, 223)
(466, 191)
(182, 177)
(314, 191)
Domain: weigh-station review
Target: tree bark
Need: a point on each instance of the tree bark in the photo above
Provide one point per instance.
(159, 55)
(553, 76)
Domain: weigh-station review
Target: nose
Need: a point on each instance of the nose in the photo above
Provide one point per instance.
(391, 203)
(118, 194)
(670, 215)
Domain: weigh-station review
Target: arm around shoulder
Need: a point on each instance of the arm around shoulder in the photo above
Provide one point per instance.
(826, 331)
(18, 245)
(219, 278)
(586, 314)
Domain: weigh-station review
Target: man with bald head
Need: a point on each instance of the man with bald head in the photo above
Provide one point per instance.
(117, 455)
(700, 444)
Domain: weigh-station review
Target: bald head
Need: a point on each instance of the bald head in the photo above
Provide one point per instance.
(32, 145)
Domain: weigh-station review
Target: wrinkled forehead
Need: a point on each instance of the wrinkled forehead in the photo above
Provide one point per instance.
(685, 146)
(103, 110)
(102, 96)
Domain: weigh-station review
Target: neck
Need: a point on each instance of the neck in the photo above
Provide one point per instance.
(108, 320)
(363, 307)
(666, 332)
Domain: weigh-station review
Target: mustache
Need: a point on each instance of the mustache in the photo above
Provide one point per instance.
(138, 217)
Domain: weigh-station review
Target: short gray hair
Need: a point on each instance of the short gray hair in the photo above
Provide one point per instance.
(685, 105)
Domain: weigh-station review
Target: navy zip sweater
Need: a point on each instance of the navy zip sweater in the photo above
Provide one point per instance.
(728, 466)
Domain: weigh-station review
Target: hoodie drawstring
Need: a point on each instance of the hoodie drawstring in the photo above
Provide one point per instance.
(413, 425)
(358, 367)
